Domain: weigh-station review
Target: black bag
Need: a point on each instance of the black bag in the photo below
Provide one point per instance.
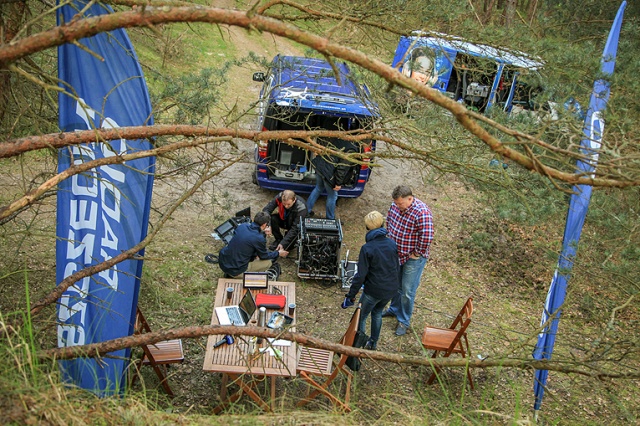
(359, 341)
(274, 271)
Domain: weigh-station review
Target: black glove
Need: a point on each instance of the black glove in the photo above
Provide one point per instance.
(347, 302)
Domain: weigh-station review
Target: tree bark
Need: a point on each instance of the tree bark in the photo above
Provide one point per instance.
(531, 11)
(510, 12)
(103, 348)
(488, 11)
(11, 18)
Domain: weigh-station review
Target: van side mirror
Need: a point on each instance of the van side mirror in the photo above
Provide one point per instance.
(258, 76)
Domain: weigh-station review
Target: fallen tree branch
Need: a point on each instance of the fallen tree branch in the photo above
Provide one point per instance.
(103, 348)
(149, 16)
(19, 146)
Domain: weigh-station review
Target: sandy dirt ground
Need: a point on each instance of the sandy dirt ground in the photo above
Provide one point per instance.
(508, 283)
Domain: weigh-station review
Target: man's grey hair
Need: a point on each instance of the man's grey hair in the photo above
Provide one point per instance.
(288, 194)
(261, 218)
(401, 191)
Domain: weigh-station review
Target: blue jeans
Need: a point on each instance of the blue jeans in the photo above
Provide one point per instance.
(402, 304)
(332, 196)
(370, 305)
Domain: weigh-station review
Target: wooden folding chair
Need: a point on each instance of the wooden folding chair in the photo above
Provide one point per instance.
(318, 362)
(157, 354)
(449, 340)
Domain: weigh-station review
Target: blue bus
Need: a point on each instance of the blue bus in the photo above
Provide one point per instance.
(301, 93)
(480, 76)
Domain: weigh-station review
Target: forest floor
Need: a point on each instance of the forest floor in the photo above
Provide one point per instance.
(504, 267)
(506, 272)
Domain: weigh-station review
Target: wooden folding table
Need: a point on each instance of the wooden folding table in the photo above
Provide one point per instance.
(235, 362)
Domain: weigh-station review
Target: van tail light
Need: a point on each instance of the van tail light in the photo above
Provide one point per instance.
(262, 147)
(367, 148)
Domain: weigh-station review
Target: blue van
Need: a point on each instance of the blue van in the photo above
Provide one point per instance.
(303, 94)
(477, 75)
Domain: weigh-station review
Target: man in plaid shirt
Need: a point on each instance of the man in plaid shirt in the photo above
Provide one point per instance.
(410, 225)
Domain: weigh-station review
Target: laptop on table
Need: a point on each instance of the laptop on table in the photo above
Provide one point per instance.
(237, 314)
(255, 280)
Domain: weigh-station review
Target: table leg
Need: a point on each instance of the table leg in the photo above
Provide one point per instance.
(249, 391)
(233, 398)
(224, 399)
(223, 388)
(273, 392)
(244, 388)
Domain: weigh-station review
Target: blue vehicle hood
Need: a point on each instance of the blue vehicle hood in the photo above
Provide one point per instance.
(310, 84)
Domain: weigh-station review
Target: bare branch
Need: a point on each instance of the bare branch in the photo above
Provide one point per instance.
(103, 348)
(53, 296)
(150, 16)
(18, 146)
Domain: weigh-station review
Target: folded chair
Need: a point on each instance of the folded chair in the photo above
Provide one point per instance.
(317, 363)
(157, 354)
(449, 340)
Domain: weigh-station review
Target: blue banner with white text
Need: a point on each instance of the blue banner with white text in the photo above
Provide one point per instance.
(104, 211)
(578, 205)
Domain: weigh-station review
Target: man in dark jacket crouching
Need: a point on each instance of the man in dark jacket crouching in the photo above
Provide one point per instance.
(379, 271)
(247, 250)
(289, 211)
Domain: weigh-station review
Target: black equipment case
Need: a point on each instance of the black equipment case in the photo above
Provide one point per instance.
(319, 245)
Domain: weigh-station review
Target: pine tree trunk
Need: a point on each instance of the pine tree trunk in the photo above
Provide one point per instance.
(531, 10)
(510, 12)
(11, 17)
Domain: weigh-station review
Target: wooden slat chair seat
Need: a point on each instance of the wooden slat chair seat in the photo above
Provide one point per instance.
(313, 362)
(449, 340)
(157, 354)
(166, 352)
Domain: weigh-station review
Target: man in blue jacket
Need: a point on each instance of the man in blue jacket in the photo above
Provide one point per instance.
(247, 250)
(379, 271)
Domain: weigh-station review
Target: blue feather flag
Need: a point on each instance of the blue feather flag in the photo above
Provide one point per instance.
(578, 205)
(105, 211)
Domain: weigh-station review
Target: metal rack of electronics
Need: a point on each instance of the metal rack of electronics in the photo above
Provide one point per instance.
(319, 248)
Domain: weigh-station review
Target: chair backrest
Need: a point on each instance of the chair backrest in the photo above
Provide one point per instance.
(141, 326)
(464, 317)
(350, 335)
(313, 360)
(164, 352)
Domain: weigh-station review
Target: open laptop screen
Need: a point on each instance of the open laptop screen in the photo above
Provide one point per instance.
(248, 305)
(246, 212)
(255, 280)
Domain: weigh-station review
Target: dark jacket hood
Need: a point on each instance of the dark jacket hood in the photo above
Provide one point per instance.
(375, 233)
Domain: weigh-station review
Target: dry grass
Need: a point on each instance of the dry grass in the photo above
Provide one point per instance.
(506, 267)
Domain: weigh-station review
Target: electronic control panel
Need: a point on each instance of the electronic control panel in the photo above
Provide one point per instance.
(313, 224)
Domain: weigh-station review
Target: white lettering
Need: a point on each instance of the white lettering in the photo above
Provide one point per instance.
(110, 198)
(70, 335)
(109, 275)
(83, 214)
(68, 310)
(84, 184)
(86, 246)
(596, 130)
(85, 113)
(100, 195)
(109, 239)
